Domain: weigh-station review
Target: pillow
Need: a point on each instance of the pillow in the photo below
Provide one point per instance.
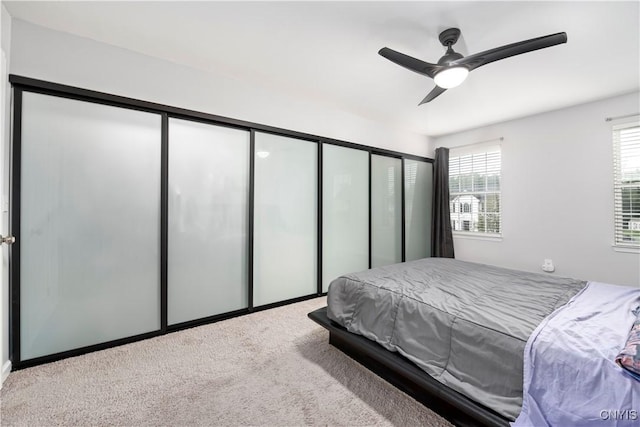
(629, 357)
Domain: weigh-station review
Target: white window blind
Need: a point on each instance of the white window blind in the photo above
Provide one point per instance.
(626, 166)
(474, 189)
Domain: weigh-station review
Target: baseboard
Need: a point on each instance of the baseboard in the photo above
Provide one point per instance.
(6, 368)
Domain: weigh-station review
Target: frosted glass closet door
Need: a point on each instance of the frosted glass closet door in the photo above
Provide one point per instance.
(285, 219)
(418, 190)
(208, 217)
(386, 210)
(345, 212)
(89, 225)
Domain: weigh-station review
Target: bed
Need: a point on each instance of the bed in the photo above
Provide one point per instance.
(450, 333)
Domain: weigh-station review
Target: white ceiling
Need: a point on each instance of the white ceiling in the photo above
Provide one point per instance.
(327, 51)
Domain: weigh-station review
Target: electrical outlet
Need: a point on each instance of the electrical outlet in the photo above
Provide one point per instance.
(548, 266)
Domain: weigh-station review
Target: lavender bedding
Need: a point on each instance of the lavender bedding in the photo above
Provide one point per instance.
(570, 374)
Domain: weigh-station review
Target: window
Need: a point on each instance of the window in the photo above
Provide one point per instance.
(474, 187)
(626, 166)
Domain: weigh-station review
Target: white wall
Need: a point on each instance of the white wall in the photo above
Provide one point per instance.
(5, 99)
(557, 193)
(63, 58)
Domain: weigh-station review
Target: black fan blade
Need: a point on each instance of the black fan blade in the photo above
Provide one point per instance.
(413, 64)
(479, 59)
(433, 94)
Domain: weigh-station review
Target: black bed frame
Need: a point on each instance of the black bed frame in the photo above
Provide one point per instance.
(403, 374)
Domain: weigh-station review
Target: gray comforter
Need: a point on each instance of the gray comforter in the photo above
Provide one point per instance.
(465, 324)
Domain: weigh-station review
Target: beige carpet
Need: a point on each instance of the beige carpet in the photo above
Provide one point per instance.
(271, 368)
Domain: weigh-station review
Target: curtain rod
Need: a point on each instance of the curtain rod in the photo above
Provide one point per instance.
(479, 142)
(608, 119)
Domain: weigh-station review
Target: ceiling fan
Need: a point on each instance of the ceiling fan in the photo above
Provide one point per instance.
(453, 68)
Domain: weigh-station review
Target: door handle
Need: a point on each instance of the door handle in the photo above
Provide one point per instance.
(9, 240)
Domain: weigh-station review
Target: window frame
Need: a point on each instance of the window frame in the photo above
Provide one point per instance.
(486, 147)
(616, 126)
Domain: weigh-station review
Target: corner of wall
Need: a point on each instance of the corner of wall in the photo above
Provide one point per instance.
(5, 35)
(431, 147)
(5, 136)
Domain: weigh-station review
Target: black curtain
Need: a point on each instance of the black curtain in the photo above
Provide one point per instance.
(442, 239)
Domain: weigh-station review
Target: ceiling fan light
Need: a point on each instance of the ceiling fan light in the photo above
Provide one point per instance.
(451, 77)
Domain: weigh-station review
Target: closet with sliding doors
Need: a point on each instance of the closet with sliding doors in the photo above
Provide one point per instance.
(133, 219)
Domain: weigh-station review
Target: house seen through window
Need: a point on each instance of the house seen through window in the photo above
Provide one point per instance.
(474, 189)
